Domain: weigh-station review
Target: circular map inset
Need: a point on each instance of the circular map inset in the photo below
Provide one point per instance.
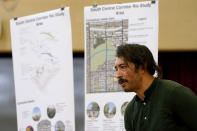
(44, 125)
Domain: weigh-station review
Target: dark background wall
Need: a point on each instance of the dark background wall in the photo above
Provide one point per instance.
(180, 67)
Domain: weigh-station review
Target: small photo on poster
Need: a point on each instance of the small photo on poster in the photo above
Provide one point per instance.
(59, 126)
(109, 110)
(51, 111)
(93, 110)
(123, 107)
(29, 128)
(36, 114)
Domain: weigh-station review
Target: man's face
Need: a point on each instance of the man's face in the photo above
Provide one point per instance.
(128, 77)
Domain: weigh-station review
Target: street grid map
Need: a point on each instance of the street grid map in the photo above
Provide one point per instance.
(102, 38)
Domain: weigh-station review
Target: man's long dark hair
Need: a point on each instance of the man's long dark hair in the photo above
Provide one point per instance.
(139, 55)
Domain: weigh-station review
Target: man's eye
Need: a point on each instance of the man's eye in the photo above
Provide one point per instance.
(123, 67)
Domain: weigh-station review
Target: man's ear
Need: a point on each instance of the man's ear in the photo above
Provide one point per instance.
(142, 69)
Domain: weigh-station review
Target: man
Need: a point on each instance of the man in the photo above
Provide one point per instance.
(159, 105)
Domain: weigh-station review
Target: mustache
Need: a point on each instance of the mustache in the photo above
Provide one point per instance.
(121, 80)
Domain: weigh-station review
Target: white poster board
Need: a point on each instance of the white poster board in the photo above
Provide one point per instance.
(43, 71)
(106, 27)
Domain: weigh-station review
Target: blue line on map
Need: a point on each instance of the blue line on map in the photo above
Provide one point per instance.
(49, 54)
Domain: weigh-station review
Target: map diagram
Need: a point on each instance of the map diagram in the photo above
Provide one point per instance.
(39, 61)
(102, 38)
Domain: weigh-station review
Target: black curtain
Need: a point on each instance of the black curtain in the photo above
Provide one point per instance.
(180, 67)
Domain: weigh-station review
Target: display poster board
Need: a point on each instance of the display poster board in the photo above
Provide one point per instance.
(43, 71)
(106, 27)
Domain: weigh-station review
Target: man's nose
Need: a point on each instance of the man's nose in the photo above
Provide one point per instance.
(118, 74)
